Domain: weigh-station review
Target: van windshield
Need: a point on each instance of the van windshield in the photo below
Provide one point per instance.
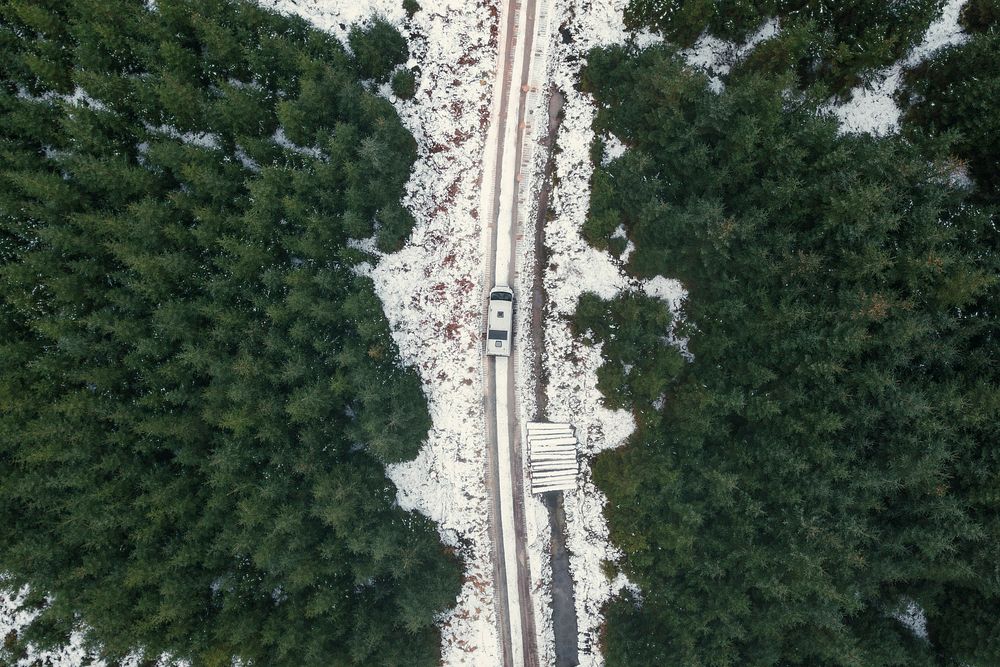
(501, 296)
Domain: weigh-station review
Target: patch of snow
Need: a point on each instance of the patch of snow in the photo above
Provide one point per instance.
(770, 28)
(79, 98)
(613, 149)
(337, 16)
(717, 56)
(286, 143)
(385, 89)
(619, 233)
(201, 139)
(671, 292)
(243, 85)
(871, 108)
(52, 153)
(629, 249)
(248, 162)
(645, 38)
(710, 53)
(668, 289)
(913, 617)
(369, 246)
(622, 583)
(945, 31)
(958, 177)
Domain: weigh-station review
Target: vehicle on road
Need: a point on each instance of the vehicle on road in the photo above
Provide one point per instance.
(500, 321)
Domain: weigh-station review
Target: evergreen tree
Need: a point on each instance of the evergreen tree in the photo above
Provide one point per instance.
(378, 48)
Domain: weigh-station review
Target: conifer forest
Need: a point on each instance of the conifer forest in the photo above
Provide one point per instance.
(198, 393)
(830, 453)
(202, 395)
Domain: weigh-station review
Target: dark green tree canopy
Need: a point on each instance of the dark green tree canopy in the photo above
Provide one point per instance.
(404, 84)
(830, 454)
(378, 48)
(198, 390)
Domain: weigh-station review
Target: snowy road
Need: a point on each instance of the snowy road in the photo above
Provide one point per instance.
(499, 207)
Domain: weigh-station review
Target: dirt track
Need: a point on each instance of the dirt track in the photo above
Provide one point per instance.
(517, 633)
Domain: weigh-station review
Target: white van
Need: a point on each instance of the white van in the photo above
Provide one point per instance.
(500, 322)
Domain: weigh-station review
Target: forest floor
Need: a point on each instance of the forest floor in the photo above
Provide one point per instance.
(564, 624)
(573, 268)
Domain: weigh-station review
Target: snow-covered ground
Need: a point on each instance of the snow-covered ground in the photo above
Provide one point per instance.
(717, 56)
(337, 16)
(574, 268)
(872, 108)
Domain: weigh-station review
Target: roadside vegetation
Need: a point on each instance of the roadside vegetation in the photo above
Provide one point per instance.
(198, 388)
(817, 485)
